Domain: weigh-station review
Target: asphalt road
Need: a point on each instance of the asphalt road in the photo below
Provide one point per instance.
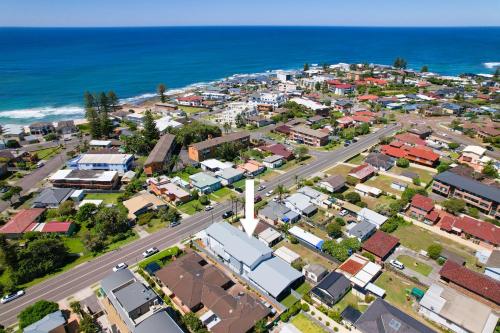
(90, 273)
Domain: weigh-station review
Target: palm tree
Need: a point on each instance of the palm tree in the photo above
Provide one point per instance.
(162, 88)
(280, 190)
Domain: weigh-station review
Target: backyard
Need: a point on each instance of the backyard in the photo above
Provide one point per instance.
(352, 300)
(396, 290)
(424, 175)
(307, 255)
(107, 198)
(415, 265)
(306, 325)
(383, 183)
(407, 237)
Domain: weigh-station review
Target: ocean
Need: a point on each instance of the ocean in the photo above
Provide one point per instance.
(45, 71)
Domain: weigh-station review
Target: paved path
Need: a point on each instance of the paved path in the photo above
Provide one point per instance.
(82, 276)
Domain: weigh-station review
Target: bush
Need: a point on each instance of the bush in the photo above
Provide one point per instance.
(340, 221)
(434, 251)
(403, 162)
(204, 200)
(35, 312)
(335, 329)
(351, 180)
(353, 197)
(305, 307)
(145, 218)
(368, 256)
(441, 261)
(293, 240)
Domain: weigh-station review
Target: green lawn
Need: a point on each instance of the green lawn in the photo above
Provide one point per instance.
(418, 239)
(358, 159)
(191, 109)
(339, 170)
(306, 325)
(118, 244)
(75, 245)
(221, 194)
(396, 291)
(383, 183)
(424, 175)
(107, 198)
(268, 174)
(240, 183)
(349, 299)
(155, 225)
(415, 265)
(162, 257)
(307, 255)
(304, 288)
(189, 207)
(289, 301)
(47, 153)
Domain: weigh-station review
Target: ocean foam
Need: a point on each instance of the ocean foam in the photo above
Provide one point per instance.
(491, 65)
(42, 112)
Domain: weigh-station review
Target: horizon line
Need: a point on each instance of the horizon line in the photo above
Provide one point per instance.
(249, 26)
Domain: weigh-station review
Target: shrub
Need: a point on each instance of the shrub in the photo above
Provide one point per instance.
(35, 312)
(327, 323)
(335, 329)
(402, 162)
(368, 256)
(204, 200)
(353, 197)
(305, 307)
(293, 240)
(434, 251)
(441, 261)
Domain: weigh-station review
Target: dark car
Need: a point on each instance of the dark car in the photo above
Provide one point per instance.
(490, 148)
(227, 214)
(239, 190)
(257, 198)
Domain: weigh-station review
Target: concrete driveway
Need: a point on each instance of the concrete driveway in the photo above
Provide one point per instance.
(427, 280)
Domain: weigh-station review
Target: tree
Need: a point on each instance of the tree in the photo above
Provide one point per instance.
(443, 166)
(150, 131)
(67, 208)
(260, 326)
(110, 221)
(400, 63)
(434, 251)
(92, 115)
(340, 221)
(8, 256)
(88, 325)
(280, 191)
(136, 144)
(113, 100)
(317, 86)
(162, 88)
(85, 213)
(334, 230)
(353, 197)
(424, 69)
(35, 312)
(306, 67)
(240, 121)
(104, 109)
(454, 205)
(490, 170)
(192, 322)
(298, 264)
(301, 152)
(228, 150)
(227, 127)
(42, 256)
(403, 162)
(453, 145)
(12, 193)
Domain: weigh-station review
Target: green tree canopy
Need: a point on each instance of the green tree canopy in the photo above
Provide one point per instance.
(35, 312)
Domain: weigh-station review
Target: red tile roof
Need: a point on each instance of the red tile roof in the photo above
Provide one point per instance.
(190, 98)
(21, 221)
(432, 216)
(423, 154)
(365, 113)
(350, 266)
(380, 244)
(410, 138)
(362, 119)
(376, 81)
(392, 151)
(422, 202)
(362, 171)
(476, 228)
(278, 149)
(343, 86)
(345, 120)
(368, 98)
(55, 226)
(285, 129)
(477, 283)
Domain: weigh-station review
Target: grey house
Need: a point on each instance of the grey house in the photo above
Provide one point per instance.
(331, 289)
(52, 197)
(52, 323)
(382, 317)
(275, 212)
(380, 161)
(362, 230)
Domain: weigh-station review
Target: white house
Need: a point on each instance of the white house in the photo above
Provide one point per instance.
(369, 215)
(233, 110)
(273, 161)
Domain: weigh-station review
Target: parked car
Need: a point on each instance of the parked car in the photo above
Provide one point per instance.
(174, 224)
(10, 297)
(150, 252)
(269, 193)
(227, 214)
(257, 198)
(40, 164)
(397, 264)
(119, 267)
(343, 212)
(262, 187)
(239, 190)
(208, 208)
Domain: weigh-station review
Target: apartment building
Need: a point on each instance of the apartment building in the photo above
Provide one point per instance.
(235, 110)
(206, 149)
(308, 136)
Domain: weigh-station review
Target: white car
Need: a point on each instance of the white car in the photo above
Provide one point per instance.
(11, 297)
(208, 208)
(150, 252)
(397, 264)
(119, 267)
(269, 193)
(262, 187)
(343, 212)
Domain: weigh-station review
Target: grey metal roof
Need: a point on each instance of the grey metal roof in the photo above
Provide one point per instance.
(116, 279)
(362, 229)
(482, 190)
(237, 243)
(134, 295)
(332, 287)
(274, 210)
(47, 324)
(381, 317)
(159, 322)
(52, 196)
(274, 276)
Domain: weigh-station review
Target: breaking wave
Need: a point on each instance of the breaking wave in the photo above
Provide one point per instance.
(491, 65)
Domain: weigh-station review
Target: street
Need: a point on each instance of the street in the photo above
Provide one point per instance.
(87, 274)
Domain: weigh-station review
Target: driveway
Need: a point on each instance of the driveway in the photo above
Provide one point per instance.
(427, 280)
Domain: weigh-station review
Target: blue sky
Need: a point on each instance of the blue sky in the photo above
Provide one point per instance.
(249, 12)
